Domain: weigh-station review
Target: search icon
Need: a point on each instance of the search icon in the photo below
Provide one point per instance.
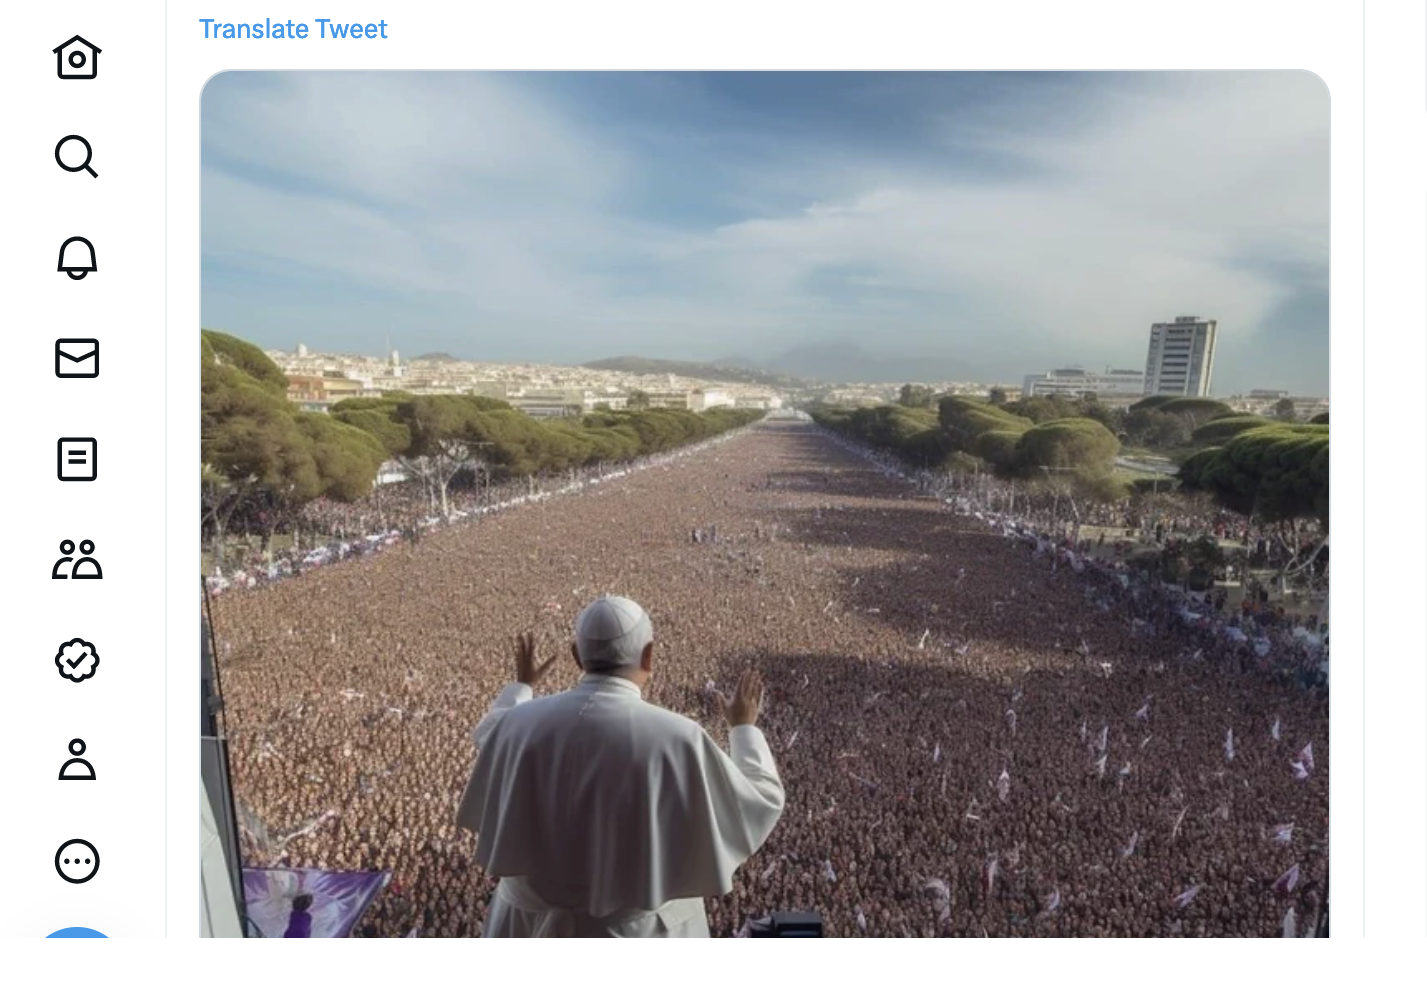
(83, 165)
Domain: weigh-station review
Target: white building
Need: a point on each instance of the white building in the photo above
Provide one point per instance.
(1078, 383)
(1181, 357)
(702, 400)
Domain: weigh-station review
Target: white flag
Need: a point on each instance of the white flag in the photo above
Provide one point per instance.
(1307, 756)
(1290, 923)
(936, 757)
(1003, 786)
(1129, 849)
(1300, 772)
(1144, 713)
(1286, 883)
(1276, 732)
(1229, 746)
(1186, 897)
(828, 872)
(1052, 902)
(1283, 833)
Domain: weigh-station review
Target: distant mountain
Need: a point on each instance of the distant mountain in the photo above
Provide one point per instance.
(847, 362)
(739, 371)
(824, 362)
(437, 357)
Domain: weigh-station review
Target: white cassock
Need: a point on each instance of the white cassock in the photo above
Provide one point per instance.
(605, 816)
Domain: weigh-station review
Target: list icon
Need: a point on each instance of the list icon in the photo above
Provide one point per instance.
(78, 459)
(77, 359)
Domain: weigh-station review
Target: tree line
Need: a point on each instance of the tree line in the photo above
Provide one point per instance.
(1269, 467)
(256, 444)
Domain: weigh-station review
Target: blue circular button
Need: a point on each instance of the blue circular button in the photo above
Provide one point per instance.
(76, 932)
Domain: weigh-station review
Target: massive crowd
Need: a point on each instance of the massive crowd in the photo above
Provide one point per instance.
(325, 531)
(1259, 633)
(980, 732)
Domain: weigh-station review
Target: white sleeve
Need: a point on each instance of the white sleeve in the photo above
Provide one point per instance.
(760, 793)
(510, 696)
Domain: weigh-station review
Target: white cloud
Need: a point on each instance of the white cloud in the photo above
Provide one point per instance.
(1175, 200)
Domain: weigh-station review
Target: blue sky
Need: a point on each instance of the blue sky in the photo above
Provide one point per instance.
(1015, 222)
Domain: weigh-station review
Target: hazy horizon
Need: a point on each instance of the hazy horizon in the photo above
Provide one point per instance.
(999, 223)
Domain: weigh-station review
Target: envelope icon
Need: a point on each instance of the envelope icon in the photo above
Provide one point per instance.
(77, 358)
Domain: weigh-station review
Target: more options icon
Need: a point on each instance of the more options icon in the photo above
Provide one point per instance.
(77, 861)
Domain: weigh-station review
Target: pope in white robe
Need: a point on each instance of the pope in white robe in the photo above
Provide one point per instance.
(605, 816)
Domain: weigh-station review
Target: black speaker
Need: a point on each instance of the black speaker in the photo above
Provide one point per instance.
(786, 925)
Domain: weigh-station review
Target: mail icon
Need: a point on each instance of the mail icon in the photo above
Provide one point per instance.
(77, 358)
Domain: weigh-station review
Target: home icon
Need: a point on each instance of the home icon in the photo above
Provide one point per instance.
(77, 59)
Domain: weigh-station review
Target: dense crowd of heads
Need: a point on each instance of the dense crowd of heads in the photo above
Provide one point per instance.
(978, 734)
(325, 530)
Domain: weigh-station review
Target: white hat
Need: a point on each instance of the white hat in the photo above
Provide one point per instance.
(611, 634)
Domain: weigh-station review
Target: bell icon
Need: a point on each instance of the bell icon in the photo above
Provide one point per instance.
(76, 257)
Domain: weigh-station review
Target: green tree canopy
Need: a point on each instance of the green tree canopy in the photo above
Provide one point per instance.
(1080, 444)
(1276, 473)
(965, 419)
(226, 350)
(1221, 429)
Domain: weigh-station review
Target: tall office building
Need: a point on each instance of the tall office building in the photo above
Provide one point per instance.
(1181, 357)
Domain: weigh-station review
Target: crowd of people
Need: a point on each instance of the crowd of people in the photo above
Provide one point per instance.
(325, 531)
(1259, 633)
(980, 731)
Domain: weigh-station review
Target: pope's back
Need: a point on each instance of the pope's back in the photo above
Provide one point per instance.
(596, 805)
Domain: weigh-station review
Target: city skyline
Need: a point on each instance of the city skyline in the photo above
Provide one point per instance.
(1002, 223)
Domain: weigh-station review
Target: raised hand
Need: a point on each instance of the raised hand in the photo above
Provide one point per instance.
(747, 701)
(527, 671)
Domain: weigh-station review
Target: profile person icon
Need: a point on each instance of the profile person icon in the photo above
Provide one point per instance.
(85, 567)
(76, 768)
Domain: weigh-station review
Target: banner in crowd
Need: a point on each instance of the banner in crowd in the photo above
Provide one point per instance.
(338, 898)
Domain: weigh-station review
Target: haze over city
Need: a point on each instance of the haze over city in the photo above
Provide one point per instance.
(962, 226)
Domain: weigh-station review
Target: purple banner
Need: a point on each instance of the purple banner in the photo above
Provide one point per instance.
(338, 900)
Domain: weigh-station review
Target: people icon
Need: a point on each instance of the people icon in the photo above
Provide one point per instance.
(85, 567)
(76, 768)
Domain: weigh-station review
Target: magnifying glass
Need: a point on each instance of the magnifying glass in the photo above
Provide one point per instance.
(88, 155)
